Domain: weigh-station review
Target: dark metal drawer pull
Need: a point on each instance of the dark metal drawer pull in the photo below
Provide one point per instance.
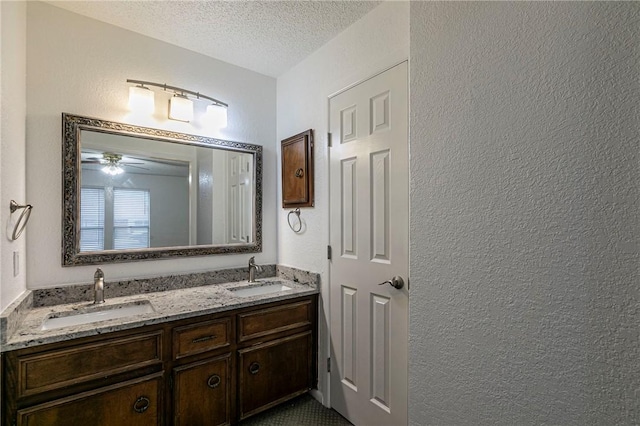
(254, 368)
(203, 339)
(214, 381)
(141, 404)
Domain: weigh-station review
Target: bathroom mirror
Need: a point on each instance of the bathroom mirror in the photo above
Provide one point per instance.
(136, 193)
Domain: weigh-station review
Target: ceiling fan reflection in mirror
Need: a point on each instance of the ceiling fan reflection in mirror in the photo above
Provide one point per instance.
(113, 164)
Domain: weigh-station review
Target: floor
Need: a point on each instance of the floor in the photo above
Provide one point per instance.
(301, 411)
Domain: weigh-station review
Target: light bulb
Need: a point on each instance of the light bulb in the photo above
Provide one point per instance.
(141, 100)
(112, 169)
(217, 115)
(180, 108)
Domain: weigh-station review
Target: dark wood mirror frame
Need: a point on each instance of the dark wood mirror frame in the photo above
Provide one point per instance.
(71, 167)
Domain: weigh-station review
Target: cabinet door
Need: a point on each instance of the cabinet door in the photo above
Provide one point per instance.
(135, 402)
(202, 393)
(297, 170)
(274, 372)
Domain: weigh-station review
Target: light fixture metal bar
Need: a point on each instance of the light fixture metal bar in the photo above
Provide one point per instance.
(166, 87)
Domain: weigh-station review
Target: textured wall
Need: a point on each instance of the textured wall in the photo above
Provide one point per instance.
(79, 65)
(377, 41)
(13, 36)
(524, 213)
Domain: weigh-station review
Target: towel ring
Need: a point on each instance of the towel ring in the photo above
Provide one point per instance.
(297, 213)
(20, 224)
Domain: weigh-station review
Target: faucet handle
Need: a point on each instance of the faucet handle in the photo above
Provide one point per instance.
(99, 274)
(252, 261)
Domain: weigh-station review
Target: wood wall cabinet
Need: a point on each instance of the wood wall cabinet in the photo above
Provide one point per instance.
(297, 170)
(209, 370)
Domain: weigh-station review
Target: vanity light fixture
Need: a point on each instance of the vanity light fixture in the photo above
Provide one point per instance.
(180, 108)
(141, 99)
(217, 115)
(181, 105)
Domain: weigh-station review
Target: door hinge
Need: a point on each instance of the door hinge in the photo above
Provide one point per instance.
(328, 365)
(329, 139)
(329, 252)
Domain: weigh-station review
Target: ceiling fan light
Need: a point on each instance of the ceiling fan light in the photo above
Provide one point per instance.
(112, 169)
(180, 108)
(141, 100)
(217, 115)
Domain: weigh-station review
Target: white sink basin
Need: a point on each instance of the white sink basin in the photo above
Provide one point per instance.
(96, 313)
(259, 289)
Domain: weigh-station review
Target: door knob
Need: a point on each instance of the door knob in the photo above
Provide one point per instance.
(396, 282)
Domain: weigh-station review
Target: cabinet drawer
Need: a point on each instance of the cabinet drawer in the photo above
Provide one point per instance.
(65, 367)
(274, 320)
(136, 402)
(274, 372)
(201, 337)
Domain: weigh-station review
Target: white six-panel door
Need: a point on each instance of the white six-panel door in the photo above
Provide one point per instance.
(369, 204)
(240, 194)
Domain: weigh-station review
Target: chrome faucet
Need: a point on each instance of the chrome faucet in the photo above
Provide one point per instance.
(253, 268)
(98, 287)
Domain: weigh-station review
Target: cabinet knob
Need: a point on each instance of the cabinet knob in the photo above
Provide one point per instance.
(214, 381)
(141, 404)
(254, 368)
(299, 173)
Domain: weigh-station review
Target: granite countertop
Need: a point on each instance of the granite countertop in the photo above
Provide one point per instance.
(168, 306)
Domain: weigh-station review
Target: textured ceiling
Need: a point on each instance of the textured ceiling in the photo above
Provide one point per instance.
(268, 37)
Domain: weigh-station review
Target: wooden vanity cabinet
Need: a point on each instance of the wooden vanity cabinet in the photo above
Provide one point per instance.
(276, 355)
(273, 372)
(202, 373)
(97, 380)
(210, 370)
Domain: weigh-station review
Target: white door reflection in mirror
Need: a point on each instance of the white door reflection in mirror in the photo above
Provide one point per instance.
(225, 197)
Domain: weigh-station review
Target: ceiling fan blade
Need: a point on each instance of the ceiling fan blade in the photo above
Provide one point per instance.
(161, 161)
(135, 167)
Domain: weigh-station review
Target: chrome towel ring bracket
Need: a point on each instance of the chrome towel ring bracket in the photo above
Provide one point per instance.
(293, 228)
(22, 219)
